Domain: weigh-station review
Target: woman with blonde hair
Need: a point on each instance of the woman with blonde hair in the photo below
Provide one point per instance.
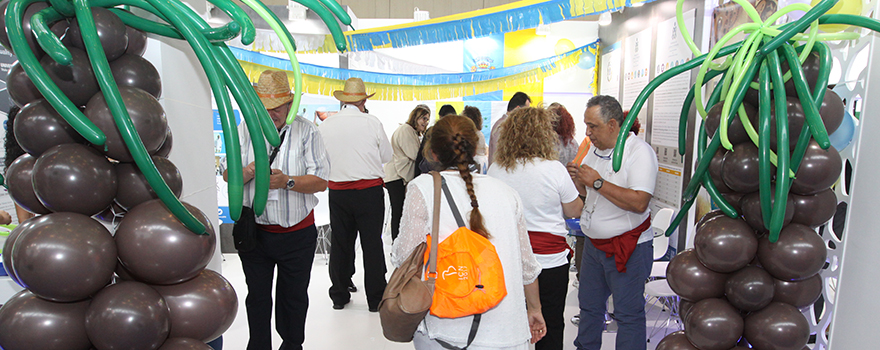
(401, 169)
(527, 160)
(491, 209)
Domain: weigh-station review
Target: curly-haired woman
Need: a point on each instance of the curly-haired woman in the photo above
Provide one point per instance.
(527, 160)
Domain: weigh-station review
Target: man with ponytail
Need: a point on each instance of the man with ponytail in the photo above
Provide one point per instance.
(490, 208)
(617, 221)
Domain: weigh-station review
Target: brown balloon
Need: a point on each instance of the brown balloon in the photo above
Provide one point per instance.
(134, 188)
(715, 165)
(64, 257)
(725, 245)
(810, 66)
(8, 246)
(684, 308)
(749, 289)
(798, 254)
(128, 315)
(752, 213)
(201, 308)
(77, 81)
(39, 127)
(157, 249)
(135, 71)
(74, 178)
(21, 89)
(796, 120)
(740, 168)
(818, 170)
(137, 41)
(28, 322)
(184, 344)
(691, 280)
(778, 326)
(815, 209)
(736, 133)
(146, 114)
(19, 180)
(831, 111)
(57, 28)
(675, 341)
(165, 150)
(800, 294)
(713, 324)
(706, 218)
(111, 32)
(735, 200)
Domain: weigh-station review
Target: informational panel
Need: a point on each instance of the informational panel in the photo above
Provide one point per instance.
(609, 74)
(672, 51)
(636, 64)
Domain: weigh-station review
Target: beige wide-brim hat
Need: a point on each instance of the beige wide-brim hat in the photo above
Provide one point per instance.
(273, 88)
(354, 91)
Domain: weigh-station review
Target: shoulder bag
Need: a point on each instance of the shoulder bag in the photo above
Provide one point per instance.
(244, 231)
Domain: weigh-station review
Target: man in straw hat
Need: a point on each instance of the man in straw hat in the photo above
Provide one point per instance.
(286, 233)
(358, 146)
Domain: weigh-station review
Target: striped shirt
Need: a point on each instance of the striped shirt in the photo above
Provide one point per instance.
(301, 153)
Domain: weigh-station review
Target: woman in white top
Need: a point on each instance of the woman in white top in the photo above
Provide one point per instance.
(527, 160)
(405, 144)
(498, 215)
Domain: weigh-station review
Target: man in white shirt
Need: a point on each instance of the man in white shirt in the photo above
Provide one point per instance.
(358, 146)
(616, 218)
(286, 232)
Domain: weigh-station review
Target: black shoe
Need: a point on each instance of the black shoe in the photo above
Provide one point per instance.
(352, 288)
(339, 306)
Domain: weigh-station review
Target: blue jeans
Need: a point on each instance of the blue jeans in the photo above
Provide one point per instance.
(599, 279)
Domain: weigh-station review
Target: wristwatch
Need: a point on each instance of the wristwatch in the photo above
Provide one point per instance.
(598, 183)
(290, 184)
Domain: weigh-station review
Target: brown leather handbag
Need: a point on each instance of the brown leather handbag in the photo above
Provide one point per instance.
(407, 298)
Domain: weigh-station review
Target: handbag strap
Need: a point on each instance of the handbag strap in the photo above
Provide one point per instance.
(435, 228)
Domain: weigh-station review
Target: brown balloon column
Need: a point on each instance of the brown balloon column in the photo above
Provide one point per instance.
(736, 286)
(144, 287)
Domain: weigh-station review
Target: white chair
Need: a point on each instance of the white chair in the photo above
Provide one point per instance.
(322, 222)
(657, 288)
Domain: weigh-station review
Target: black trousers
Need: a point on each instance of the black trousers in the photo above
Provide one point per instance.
(396, 195)
(293, 253)
(354, 212)
(553, 283)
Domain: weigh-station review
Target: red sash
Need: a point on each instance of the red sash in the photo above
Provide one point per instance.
(354, 185)
(308, 221)
(547, 243)
(622, 246)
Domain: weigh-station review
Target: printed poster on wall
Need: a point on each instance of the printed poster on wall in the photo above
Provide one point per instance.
(637, 49)
(609, 75)
(672, 51)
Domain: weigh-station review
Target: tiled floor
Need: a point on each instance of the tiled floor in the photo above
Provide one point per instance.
(355, 327)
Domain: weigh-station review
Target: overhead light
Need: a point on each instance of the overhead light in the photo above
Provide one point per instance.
(420, 15)
(638, 4)
(605, 19)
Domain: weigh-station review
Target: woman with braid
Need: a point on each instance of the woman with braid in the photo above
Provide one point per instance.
(491, 209)
(527, 160)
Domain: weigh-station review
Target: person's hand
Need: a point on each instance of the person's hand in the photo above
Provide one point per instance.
(572, 168)
(278, 179)
(587, 175)
(5, 218)
(536, 325)
(250, 171)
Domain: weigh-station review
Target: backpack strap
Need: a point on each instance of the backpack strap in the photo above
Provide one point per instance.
(475, 325)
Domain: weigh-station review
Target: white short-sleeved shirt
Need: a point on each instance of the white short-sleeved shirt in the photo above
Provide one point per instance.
(638, 172)
(356, 144)
(543, 186)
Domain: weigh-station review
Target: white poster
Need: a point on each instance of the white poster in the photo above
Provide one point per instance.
(669, 97)
(609, 76)
(637, 50)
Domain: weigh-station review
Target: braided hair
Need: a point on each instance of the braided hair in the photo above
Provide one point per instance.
(454, 142)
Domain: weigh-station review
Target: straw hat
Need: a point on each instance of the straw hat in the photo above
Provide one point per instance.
(354, 91)
(273, 88)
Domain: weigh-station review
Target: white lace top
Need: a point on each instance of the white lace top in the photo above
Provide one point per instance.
(506, 325)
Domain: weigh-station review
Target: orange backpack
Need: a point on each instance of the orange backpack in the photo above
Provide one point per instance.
(470, 279)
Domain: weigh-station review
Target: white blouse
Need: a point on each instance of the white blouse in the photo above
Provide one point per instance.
(506, 325)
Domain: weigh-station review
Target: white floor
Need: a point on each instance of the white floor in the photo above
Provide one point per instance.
(355, 327)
